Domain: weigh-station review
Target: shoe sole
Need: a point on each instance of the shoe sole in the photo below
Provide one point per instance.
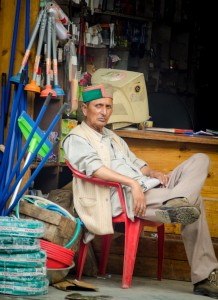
(183, 215)
(202, 292)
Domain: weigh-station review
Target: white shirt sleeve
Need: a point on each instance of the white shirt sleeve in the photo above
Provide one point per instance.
(81, 155)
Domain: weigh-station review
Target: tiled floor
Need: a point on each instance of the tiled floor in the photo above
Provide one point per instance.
(110, 287)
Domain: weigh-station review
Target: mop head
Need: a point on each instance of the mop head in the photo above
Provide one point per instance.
(26, 125)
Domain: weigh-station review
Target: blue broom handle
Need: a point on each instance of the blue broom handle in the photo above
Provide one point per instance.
(10, 131)
(38, 120)
(8, 148)
(23, 107)
(13, 148)
(2, 112)
(13, 49)
(55, 120)
(32, 177)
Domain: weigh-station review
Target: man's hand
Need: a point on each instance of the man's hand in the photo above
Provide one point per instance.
(161, 176)
(147, 171)
(139, 203)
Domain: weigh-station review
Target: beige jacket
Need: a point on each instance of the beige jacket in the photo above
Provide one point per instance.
(92, 202)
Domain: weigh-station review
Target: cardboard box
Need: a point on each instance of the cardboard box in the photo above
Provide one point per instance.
(66, 126)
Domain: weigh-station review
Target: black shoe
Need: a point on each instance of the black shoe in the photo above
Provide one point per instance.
(178, 210)
(208, 287)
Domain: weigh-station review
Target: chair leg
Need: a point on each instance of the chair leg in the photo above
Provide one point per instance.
(105, 250)
(132, 233)
(81, 259)
(161, 232)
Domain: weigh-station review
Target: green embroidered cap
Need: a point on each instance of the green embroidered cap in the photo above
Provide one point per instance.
(96, 92)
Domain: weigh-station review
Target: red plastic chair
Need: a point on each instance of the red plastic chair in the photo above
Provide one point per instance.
(132, 234)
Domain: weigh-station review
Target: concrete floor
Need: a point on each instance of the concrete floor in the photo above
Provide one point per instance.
(110, 287)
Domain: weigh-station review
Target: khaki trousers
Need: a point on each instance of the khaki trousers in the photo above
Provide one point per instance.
(187, 180)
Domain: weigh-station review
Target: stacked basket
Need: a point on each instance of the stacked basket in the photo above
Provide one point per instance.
(59, 261)
(58, 257)
(22, 261)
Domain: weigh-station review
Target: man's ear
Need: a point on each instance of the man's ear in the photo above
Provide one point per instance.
(84, 109)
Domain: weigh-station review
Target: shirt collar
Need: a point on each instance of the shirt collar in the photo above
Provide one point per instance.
(106, 132)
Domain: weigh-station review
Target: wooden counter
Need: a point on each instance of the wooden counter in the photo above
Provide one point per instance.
(162, 136)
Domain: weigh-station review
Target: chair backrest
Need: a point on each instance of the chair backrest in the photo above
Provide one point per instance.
(99, 181)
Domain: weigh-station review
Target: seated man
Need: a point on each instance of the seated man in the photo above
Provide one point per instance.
(96, 151)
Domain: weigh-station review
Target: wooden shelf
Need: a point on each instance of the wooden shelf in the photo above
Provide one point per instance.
(161, 136)
(46, 165)
(120, 15)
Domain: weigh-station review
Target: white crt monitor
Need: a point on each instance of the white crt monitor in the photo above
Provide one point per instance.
(130, 100)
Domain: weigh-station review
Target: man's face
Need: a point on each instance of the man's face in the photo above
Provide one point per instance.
(97, 113)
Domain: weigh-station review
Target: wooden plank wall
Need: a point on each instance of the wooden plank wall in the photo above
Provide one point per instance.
(175, 266)
(7, 16)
